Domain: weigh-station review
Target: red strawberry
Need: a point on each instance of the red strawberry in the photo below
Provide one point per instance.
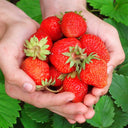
(38, 70)
(39, 45)
(51, 26)
(57, 76)
(95, 73)
(92, 43)
(73, 25)
(63, 54)
(76, 86)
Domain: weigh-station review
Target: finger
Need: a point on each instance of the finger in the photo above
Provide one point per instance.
(113, 44)
(90, 100)
(71, 121)
(38, 98)
(12, 72)
(90, 113)
(117, 54)
(17, 77)
(70, 109)
(80, 118)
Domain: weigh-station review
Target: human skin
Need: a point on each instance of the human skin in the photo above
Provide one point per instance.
(95, 25)
(16, 27)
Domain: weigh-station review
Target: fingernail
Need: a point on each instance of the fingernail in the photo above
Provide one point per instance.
(70, 99)
(28, 87)
(110, 69)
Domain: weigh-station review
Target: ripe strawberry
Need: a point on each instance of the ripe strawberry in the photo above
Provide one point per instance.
(63, 54)
(39, 45)
(57, 76)
(76, 86)
(51, 26)
(92, 43)
(38, 70)
(95, 73)
(73, 24)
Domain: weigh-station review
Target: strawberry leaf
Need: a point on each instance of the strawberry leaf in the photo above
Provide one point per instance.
(119, 91)
(123, 70)
(104, 113)
(27, 122)
(1, 77)
(60, 122)
(120, 119)
(117, 10)
(40, 115)
(9, 109)
(31, 8)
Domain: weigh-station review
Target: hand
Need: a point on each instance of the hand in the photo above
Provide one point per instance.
(16, 28)
(110, 37)
(50, 8)
(98, 27)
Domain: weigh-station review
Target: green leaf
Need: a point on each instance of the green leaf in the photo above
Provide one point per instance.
(18, 124)
(40, 115)
(118, 10)
(104, 113)
(120, 119)
(123, 70)
(123, 34)
(27, 122)
(31, 8)
(84, 125)
(1, 77)
(60, 122)
(9, 109)
(126, 55)
(119, 91)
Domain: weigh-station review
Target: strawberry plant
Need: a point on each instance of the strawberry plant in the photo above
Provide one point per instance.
(112, 109)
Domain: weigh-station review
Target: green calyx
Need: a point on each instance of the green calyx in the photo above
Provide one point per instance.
(76, 12)
(88, 59)
(79, 13)
(73, 74)
(47, 82)
(39, 87)
(62, 77)
(78, 58)
(60, 16)
(36, 48)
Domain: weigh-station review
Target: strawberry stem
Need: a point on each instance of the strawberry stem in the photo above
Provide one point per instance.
(54, 91)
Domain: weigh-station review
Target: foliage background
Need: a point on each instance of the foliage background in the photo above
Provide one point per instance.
(111, 110)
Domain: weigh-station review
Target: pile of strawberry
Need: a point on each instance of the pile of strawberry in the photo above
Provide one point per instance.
(61, 56)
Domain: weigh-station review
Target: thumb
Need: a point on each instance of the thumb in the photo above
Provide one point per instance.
(18, 77)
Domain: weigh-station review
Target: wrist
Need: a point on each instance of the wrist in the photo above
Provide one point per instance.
(54, 7)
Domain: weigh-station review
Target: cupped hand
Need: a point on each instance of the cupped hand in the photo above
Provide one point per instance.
(96, 26)
(16, 28)
(110, 37)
